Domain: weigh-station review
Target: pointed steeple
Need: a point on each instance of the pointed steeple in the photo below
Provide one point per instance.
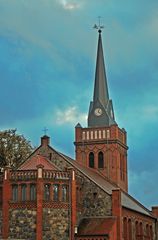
(100, 87)
(101, 109)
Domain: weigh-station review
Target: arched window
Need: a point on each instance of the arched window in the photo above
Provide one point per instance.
(64, 193)
(32, 192)
(141, 231)
(129, 229)
(151, 233)
(56, 192)
(47, 192)
(147, 231)
(137, 231)
(125, 228)
(23, 192)
(100, 160)
(15, 193)
(91, 160)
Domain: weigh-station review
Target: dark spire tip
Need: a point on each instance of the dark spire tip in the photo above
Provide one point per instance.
(99, 31)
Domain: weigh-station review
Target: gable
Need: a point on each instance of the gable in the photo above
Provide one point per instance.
(36, 160)
(61, 162)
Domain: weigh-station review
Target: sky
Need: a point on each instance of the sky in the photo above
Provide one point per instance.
(47, 67)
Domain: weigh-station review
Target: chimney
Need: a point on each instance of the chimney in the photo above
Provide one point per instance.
(155, 211)
(45, 140)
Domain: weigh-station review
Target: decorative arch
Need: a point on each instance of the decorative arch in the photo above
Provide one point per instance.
(100, 160)
(91, 160)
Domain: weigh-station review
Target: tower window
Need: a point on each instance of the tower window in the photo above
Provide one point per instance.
(100, 160)
(91, 160)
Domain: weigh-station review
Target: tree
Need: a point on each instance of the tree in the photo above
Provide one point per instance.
(14, 148)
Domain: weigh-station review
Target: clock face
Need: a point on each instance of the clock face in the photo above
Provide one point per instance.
(98, 112)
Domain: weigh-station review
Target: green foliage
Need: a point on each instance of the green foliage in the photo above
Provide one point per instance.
(14, 148)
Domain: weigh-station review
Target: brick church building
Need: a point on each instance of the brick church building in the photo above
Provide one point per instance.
(53, 197)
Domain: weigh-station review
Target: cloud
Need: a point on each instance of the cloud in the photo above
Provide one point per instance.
(69, 4)
(53, 42)
(151, 112)
(70, 115)
(149, 191)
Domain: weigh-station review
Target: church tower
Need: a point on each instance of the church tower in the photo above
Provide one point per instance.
(102, 145)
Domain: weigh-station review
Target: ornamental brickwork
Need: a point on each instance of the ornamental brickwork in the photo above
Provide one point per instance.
(137, 226)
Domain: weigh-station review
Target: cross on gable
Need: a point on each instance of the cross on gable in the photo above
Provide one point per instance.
(45, 130)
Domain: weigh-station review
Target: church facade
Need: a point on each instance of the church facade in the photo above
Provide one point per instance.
(53, 197)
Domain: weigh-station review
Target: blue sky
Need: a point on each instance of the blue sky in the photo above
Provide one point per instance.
(47, 65)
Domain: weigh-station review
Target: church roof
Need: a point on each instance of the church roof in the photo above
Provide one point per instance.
(33, 162)
(127, 201)
(131, 203)
(92, 175)
(96, 226)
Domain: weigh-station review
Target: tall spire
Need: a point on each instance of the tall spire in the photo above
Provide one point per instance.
(100, 87)
(101, 109)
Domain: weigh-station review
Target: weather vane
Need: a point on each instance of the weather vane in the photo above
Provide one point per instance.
(45, 130)
(99, 26)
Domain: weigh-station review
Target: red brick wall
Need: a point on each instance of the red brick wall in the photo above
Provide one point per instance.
(137, 226)
(111, 141)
